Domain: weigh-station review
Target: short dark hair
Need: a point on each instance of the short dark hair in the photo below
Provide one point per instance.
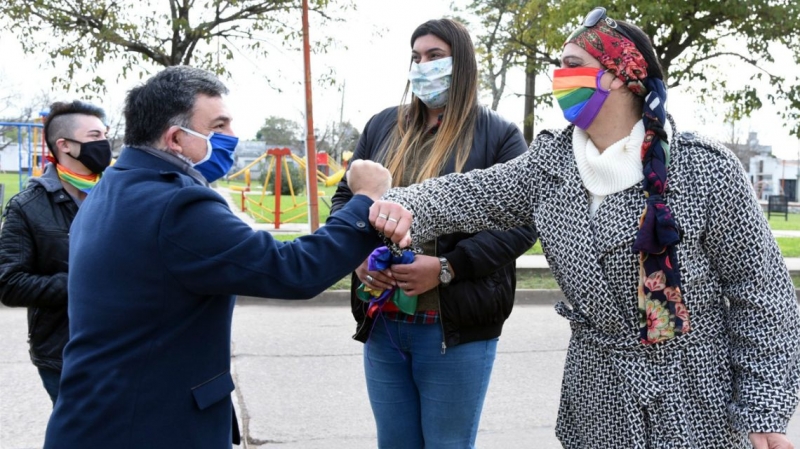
(60, 120)
(167, 99)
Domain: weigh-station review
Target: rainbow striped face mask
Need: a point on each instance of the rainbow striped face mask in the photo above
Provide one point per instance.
(579, 94)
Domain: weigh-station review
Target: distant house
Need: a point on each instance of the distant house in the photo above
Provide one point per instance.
(768, 174)
(749, 149)
(11, 159)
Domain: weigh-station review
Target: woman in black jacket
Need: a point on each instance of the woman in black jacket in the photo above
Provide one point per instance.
(428, 372)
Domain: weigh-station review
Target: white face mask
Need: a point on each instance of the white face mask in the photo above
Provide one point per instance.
(209, 150)
(431, 80)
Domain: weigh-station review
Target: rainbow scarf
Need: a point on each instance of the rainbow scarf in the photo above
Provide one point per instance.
(84, 183)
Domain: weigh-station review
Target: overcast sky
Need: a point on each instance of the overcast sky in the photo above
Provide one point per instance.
(373, 68)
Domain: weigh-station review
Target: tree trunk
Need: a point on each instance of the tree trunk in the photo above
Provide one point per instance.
(530, 92)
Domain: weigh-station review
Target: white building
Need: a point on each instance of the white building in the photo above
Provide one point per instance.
(770, 175)
(10, 158)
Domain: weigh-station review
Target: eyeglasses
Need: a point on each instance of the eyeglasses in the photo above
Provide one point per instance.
(598, 14)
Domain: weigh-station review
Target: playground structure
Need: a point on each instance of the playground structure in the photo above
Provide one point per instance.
(31, 147)
(279, 165)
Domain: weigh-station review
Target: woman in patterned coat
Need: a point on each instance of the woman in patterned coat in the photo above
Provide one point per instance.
(684, 318)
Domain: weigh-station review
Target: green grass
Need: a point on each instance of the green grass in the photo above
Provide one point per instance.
(11, 182)
(536, 281)
(535, 250)
(265, 207)
(782, 224)
(525, 281)
(790, 246)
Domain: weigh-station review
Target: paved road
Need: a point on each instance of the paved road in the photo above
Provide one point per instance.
(300, 380)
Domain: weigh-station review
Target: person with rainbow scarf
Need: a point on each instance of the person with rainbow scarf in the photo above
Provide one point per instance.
(34, 242)
(683, 314)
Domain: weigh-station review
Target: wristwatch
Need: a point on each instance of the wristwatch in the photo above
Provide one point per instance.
(445, 275)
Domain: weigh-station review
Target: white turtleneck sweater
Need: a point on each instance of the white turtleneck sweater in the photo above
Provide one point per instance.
(615, 169)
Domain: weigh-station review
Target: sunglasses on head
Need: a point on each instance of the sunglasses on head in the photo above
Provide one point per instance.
(596, 15)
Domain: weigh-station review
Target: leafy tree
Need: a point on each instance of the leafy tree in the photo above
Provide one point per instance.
(493, 47)
(512, 37)
(280, 131)
(693, 40)
(13, 108)
(141, 33)
(338, 138)
(296, 174)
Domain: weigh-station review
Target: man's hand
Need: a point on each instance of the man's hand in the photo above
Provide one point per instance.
(419, 276)
(770, 441)
(368, 178)
(393, 220)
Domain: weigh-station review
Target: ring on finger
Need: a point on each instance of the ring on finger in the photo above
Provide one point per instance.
(384, 216)
(370, 279)
(392, 219)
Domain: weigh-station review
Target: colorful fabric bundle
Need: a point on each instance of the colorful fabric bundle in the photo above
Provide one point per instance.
(662, 312)
(381, 259)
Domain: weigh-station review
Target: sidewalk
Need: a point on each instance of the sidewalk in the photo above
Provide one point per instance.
(538, 263)
(300, 380)
(535, 263)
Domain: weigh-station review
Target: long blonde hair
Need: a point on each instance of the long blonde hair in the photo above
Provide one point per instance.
(458, 123)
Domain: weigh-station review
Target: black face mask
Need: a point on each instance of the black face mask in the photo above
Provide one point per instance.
(95, 155)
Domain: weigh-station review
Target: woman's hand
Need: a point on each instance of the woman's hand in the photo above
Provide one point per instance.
(374, 279)
(419, 276)
(392, 220)
(770, 441)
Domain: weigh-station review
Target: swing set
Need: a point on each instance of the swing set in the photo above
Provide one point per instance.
(279, 165)
(32, 145)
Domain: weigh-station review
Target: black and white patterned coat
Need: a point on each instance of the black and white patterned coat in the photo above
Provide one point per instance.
(735, 372)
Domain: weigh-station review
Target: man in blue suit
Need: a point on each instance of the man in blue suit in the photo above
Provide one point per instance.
(156, 257)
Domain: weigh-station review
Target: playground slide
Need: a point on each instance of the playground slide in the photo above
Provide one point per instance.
(334, 178)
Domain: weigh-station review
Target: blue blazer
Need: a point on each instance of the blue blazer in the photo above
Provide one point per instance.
(156, 259)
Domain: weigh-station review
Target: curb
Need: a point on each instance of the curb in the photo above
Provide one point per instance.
(535, 297)
(342, 298)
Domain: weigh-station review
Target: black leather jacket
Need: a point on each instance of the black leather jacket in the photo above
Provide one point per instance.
(34, 252)
(479, 300)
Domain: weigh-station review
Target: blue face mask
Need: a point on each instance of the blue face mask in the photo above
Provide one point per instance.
(219, 158)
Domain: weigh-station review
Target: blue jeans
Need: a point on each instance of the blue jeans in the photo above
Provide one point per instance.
(50, 380)
(427, 400)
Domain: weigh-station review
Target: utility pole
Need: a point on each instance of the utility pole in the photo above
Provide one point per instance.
(311, 144)
(337, 150)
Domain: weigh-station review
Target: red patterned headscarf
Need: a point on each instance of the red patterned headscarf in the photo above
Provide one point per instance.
(616, 52)
(662, 312)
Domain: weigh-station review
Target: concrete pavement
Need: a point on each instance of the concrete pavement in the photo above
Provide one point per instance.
(300, 381)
